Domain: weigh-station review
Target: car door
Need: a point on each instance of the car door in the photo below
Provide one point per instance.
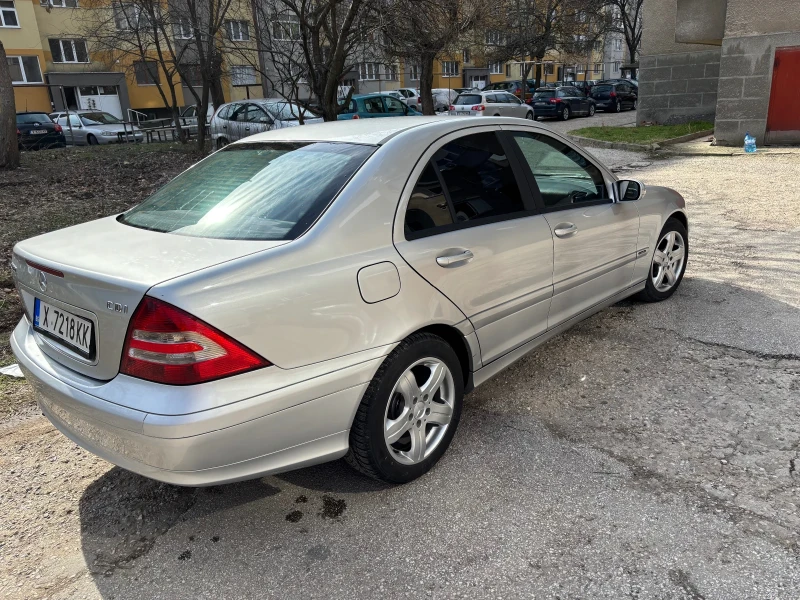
(257, 120)
(579, 100)
(236, 121)
(393, 107)
(373, 107)
(594, 237)
(515, 107)
(471, 229)
(493, 104)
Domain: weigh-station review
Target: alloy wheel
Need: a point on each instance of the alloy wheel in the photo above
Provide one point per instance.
(591, 110)
(668, 261)
(419, 411)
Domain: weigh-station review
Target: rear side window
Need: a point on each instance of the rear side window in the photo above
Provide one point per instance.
(373, 105)
(225, 112)
(468, 99)
(266, 191)
(479, 184)
(544, 94)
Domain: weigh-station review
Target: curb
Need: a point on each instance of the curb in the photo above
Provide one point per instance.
(592, 143)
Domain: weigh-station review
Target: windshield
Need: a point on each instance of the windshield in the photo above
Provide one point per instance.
(544, 94)
(33, 118)
(264, 191)
(288, 111)
(465, 99)
(99, 118)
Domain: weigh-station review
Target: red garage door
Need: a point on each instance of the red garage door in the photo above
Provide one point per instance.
(783, 122)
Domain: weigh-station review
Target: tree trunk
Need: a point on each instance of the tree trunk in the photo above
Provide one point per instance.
(426, 83)
(202, 110)
(538, 73)
(262, 60)
(9, 146)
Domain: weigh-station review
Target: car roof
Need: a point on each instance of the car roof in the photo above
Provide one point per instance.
(376, 131)
(31, 112)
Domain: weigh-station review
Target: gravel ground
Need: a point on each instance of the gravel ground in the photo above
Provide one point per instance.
(650, 452)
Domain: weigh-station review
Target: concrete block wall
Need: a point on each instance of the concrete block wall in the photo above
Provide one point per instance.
(678, 87)
(745, 84)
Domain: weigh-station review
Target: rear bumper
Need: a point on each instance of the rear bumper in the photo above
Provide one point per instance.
(547, 111)
(38, 142)
(221, 445)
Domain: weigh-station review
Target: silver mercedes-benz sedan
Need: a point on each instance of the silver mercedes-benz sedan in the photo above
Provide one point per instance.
(330, 291)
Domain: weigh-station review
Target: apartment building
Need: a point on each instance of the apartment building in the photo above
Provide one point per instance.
(54, 67)
(736, 62)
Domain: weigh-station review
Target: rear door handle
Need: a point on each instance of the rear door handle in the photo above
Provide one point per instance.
(454, 259)
(564, 230)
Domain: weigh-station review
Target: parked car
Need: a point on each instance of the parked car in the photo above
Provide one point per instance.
(369, 106)
(632, 82)
(561, 103)
(443, 98)
(236, 120)
(490, 104)
(331, 290)
(36, 130)
(584, 86)
(92, 127)
(465, 90)
(513, 87)
(614, 97)
(189, 116)
(411, 98)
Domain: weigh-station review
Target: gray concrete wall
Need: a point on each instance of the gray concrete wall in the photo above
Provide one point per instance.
(677, 88)
(701, 21)
(754, 17)
(745, 84)
(659, 22)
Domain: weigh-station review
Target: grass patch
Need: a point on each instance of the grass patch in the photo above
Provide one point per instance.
(642, 135)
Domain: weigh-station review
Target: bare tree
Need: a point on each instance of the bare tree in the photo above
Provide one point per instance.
(9, 147)
(419, 32)
(627, 20)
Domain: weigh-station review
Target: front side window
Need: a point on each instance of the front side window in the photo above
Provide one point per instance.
(257, 191)
(565, 177)
(238, 31)
(373, 105)
(24, 69)
(99, 118)
(479, 183)
(394, 106)
(8, 14)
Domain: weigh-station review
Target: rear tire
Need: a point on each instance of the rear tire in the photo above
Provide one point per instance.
(668, 264)
(618, 106)
(565, 114)
(635, 104)
(91, 140)
(592, 110)
(221, 143)
(529, 116)
(399, 431)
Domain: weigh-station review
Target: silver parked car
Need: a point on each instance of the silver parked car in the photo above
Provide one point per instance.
(490, 104)
(91, 127)
(237, 120)
(333, 290)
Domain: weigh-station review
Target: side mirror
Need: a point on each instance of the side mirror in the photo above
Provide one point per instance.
(629, 190)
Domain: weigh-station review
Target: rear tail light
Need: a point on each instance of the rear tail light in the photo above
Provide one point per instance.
(555, 100)
(167, 345)
(613, 94)
(479, 107)
(18, 131)
(452, 107)
(58, 128)
(356, 117)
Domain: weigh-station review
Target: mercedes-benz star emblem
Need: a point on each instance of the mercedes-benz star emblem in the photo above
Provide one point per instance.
(42, 281)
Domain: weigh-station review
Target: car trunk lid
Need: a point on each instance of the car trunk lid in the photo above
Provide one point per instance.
(99, 272)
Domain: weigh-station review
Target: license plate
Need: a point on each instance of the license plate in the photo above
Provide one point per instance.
(71, 330)
(541, 104)
(38, 131)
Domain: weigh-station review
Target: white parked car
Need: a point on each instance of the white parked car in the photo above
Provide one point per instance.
(237, 120)
(490, 104)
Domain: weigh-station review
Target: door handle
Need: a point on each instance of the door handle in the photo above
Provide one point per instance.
(247, 129)
(564, 230)
(454, 259)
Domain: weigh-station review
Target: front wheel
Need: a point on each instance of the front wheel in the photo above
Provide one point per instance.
(669, 263)
(565, 114)
(409, 413)
(91, 140)
(529, 116)
(592, 110)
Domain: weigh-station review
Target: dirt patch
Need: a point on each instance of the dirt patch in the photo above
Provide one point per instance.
(62, 187)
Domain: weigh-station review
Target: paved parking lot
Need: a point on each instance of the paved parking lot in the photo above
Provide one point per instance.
(651, 452)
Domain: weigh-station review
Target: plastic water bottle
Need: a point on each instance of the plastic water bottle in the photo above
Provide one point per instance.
(749, 143)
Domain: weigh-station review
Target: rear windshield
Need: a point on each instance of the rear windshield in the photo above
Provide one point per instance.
(465, 99)
(544, 94)
(602, 88)
(33, 118)
(266, 191)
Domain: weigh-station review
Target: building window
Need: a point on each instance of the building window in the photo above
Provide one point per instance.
(496, 68)
(286, 29)
(391, 72)
(465, 55)
(24, 69)
(580, 16)
(617, 65)
(370, 71)
(8, 14)
(449, 68)
(243, 75)
(494, 38)
(191, 75)
(238, 31)
(69, 51)
(508, 70)
(126, 16)
(146, 72)
(60, 3)
(598, 45)
(182, 29)
(413, 72)
(548, 68)
(581, 69)
(598, 68)
(618, 44)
